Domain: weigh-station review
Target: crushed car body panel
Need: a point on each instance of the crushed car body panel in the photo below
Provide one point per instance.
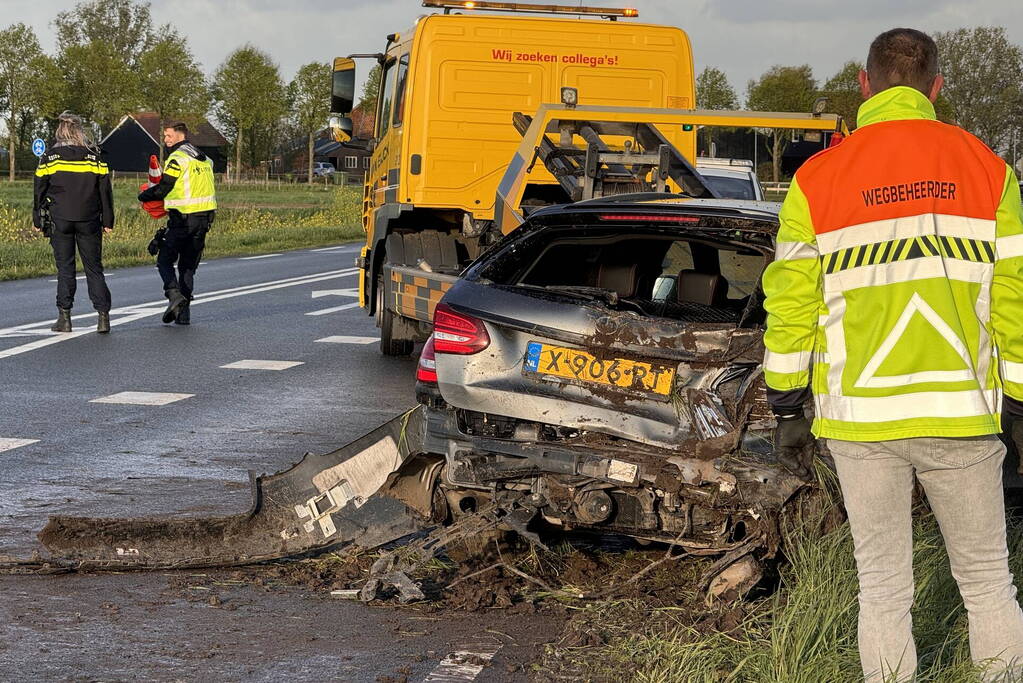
(323, 502)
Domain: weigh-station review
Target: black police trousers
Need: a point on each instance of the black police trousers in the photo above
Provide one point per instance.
(88, 237)
(182, 247)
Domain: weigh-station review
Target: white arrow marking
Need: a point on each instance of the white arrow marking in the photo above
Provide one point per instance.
(334, 309)
(351, 291)
(139, 311)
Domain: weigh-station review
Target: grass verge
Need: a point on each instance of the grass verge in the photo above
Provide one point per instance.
(804, 632)
(290, 218)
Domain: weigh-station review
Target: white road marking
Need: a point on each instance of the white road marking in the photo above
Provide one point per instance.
(350, 291)
(30, 333)
(144, 310)
(142, 398)
(253, 258)
(342, 339)
(337, 248)
(262, 364)
(335, 309)
(463, 665)
(9, 444)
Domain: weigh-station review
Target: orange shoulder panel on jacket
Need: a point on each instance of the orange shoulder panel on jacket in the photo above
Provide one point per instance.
(895, 169)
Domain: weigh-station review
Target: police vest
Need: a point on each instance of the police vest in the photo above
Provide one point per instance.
(897, 285)
(193, 190)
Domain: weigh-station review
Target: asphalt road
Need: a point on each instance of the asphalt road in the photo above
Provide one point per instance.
(69, 446)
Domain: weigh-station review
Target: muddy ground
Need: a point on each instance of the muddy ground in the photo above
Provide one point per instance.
(215, 626)
(275, 620)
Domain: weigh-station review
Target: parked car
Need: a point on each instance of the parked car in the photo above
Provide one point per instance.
(323, 168)
(731, 178)
(603, 365)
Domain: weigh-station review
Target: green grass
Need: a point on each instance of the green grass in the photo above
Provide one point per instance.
(805, 632)
(250, 220)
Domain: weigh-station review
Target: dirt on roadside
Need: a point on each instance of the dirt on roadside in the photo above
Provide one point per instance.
(598, 593)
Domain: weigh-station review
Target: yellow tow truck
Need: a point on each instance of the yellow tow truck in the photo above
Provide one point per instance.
(467, 140)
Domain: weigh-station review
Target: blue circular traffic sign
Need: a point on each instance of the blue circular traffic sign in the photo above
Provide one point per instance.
(38, 147)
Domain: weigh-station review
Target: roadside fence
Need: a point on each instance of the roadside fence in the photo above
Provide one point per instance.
(250, 178)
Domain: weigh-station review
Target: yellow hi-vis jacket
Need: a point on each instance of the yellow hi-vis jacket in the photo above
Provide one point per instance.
(897, 284)
(193, 190)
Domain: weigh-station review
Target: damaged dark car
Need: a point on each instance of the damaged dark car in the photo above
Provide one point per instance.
(600, 369)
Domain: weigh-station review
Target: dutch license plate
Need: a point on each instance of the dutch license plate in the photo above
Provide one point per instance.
(577, 365)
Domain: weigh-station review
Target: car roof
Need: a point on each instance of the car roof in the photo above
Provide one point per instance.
(722, 172)
(724, 162)
(630, 202)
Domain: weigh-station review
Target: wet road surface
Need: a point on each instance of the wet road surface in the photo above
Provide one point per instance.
(147, 420)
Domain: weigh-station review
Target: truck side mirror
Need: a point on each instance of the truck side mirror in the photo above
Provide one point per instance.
(340, 128)
(342, 88)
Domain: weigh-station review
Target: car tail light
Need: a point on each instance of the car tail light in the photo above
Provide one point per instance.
(427, 370)
(651, 217)
(459, 333)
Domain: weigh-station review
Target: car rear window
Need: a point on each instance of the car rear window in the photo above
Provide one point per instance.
(692, 279)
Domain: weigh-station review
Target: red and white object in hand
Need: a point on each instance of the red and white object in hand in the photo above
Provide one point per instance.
(155, 208)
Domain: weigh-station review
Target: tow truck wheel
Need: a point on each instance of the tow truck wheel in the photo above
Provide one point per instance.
(389, 344)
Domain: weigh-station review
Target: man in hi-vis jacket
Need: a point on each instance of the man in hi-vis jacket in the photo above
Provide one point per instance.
(896, 300)
(188, 194)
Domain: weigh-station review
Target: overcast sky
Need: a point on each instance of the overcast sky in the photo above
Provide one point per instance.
(741, 37)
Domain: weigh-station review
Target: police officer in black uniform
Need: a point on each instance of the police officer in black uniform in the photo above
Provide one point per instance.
(73, 206)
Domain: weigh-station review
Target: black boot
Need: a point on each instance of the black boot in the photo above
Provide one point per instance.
(63, 323)
(103, 324)
(184, 315)
(176, 302)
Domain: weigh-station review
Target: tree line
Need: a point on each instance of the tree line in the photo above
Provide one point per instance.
(983, 91)
(111, 60)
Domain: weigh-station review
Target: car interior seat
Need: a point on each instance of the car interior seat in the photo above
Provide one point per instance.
(618, 277)
(709, 289)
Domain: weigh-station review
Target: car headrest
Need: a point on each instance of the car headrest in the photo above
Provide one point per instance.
(708, 289)
(619, 278)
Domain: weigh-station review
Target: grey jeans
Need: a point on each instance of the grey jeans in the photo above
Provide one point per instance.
(963, 482)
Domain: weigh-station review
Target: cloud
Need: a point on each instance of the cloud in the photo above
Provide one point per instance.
(799, 11)
(741, 37)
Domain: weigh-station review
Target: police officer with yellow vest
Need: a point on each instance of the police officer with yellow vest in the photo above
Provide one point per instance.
(190, 199)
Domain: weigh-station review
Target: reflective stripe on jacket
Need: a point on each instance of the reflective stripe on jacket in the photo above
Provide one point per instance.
(73, 184)
(897, 283)
(193, 190)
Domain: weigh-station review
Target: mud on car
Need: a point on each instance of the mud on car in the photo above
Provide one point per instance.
(600, 369)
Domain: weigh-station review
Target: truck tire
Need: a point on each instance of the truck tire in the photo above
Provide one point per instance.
(390, 343)
(394, 249)
(439, 250)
